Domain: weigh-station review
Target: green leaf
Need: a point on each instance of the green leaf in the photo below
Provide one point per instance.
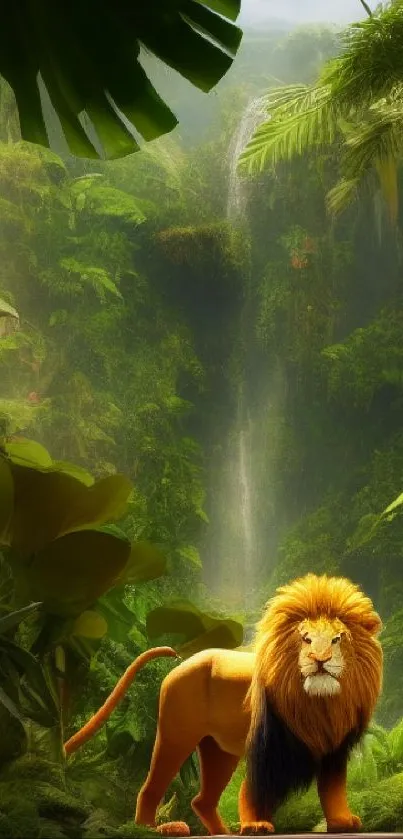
(191, 553)
(118, 616)
(25, 452)
(90, 625)
(14, 618)
(32, 671)
(226, 635)
(7, 311)
(120, 737)
(199, 628)
(365, 531)
(35, 708)
(398, 502)
(49, 504)
(10, 705)
(75, 471)
(107, 201)
(146, 562)
(69, 574)
(395, 741)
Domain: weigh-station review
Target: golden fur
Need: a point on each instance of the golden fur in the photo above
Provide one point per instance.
(323, 724)
(313, 679)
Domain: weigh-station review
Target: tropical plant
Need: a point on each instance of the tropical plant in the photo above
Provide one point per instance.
(58, 549)
(62, 551)
(26, 691)
(88, 60)
(356, 103)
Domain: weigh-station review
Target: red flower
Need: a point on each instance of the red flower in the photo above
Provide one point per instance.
(34, 397)
(298, 262)
(309, 245)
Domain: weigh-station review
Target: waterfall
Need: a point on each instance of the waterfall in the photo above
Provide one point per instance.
(254, 113)
(234, 545)
(245, 478)
(233, 537)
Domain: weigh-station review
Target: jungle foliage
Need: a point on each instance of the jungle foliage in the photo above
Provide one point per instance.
(356, 103)
(151, 353)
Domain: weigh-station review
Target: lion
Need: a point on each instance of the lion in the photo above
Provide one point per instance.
(294, 707)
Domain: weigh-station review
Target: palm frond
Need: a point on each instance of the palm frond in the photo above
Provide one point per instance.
(371, 61)
(376, 143)
(359, 96)
(300, 117)
(344, 193)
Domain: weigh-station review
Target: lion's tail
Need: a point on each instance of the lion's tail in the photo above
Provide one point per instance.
(102, 715)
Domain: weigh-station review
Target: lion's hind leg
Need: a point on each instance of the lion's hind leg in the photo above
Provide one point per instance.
(167, 758)
(181, 725)
(216, 770)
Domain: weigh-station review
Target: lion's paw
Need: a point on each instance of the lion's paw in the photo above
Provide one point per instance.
(344, 824)
(256, 829)
(173, 829)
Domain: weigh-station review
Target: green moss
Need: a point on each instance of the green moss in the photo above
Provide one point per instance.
(206, 242)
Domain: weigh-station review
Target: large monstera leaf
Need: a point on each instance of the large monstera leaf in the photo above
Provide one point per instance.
(87, 55)
(200, 630)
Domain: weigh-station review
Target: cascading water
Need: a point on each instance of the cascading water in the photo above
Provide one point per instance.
(245, 497)
(233, 536)
(254, 113)
(241, 536)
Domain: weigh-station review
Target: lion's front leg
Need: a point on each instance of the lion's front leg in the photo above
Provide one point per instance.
(332, 789)
(251, 825)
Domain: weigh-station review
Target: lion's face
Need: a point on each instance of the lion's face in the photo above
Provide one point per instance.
(321, 659)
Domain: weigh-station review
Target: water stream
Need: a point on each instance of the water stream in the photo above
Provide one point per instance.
(254, 113)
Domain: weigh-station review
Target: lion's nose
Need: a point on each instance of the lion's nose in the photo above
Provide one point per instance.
(321, 657)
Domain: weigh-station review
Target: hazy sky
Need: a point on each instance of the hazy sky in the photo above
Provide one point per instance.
(303, 11)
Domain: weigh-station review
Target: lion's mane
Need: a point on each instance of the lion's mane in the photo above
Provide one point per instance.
(291, 733)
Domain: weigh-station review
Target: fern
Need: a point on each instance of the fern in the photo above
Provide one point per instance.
(91, 275)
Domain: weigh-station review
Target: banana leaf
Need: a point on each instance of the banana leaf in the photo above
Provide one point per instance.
(87, 56)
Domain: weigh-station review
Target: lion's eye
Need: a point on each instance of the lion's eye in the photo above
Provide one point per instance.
(336, 639)
(307, 640)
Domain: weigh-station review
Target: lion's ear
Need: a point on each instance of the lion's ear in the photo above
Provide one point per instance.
(372, 623)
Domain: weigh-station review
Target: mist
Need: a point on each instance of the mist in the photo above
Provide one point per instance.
(257, 12)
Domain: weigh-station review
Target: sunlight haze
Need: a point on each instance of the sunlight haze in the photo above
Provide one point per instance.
(256, 12)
